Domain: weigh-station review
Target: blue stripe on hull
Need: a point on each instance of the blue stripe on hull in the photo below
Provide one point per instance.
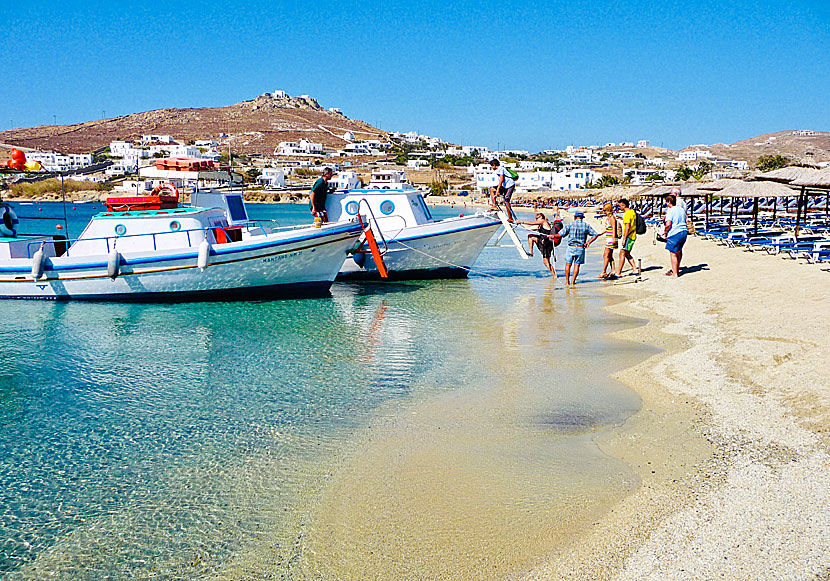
(417, 274)
(299, 290)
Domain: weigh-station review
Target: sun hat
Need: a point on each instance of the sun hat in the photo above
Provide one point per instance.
(579, 214)
(675, 191)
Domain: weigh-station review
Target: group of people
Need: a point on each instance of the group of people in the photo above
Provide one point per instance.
(580, 235)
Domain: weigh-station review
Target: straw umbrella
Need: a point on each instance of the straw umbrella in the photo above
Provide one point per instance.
(756, 190)
(820, 180)
(787, 175)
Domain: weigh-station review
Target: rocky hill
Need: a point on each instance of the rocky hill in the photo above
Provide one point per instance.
(809, 149)
(254, 126)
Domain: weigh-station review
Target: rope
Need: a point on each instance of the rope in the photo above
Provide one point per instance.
(442, 260)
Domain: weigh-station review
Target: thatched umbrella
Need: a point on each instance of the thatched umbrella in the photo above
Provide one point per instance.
(614, 193)
(820, 180)
(756, 190)
(786, 175)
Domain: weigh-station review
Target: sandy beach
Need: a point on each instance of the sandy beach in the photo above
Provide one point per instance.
(741, 491)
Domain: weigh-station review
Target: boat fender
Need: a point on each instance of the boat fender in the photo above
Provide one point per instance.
(113, 263)
(204, 255)
(38, 261)
(359, 258)
(9, 221)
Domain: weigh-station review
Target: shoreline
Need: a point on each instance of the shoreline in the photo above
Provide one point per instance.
(751, 501)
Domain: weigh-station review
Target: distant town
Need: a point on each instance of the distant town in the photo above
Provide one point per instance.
(446, 168)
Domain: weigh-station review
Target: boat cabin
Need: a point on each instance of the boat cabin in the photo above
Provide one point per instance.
(393, 209)
(151, 230)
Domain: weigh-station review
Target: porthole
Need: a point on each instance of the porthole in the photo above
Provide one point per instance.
(387, 207)
(175, 226)
(352, 207)
(120, 230)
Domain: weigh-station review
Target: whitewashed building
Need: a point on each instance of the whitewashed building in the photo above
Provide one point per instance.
(644, 143)
(572, 179)
(346, 180)
(175, 150)
(302, 147)
(272, 177)
(157, 139)
(53, 161)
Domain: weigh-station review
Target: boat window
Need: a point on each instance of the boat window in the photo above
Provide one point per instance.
(425, 207)
(387, 207)
(175, 226)
(352, 207)
(237, 208)
(120, 229)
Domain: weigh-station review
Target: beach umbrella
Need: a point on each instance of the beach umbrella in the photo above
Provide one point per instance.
(755, 190)
(820, 180)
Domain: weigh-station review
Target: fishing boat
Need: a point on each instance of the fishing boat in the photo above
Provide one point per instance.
(175, 254)
(412, 243)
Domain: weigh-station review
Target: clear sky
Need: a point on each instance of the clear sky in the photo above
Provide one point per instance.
(528, 74)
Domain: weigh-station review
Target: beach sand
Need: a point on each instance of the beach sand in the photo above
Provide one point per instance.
(747, 343)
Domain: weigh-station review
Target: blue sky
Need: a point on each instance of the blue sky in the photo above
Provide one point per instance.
(531, 75)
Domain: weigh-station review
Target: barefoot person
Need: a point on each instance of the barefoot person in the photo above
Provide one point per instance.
(542, 239)
(577, 233)
(675, 232)
(611, 231)
(629, 235)
(319, 193)
(504, 187)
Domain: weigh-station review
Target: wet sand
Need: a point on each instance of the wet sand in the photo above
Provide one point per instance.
(746, 339)
(490, 478)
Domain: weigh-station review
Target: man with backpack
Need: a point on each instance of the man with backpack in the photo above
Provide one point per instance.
(632, 224)
(504, 187)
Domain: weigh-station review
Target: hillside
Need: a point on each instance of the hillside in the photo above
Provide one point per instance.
(810, 149)
(254, 126)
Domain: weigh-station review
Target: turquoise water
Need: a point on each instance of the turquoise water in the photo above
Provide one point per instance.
(186, 440)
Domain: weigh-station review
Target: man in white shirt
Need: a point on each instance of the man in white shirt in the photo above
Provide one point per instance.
(504, 187)
(675, 232)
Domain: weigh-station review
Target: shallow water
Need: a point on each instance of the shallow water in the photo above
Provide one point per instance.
(424, 429)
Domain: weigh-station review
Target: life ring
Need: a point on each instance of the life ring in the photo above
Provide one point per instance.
(166, 186)
(9, 222)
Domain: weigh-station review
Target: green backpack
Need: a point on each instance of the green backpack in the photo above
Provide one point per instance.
(514, 175)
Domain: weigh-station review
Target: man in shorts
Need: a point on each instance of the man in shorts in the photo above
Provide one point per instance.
(577, 233)
(504, 187)
(675, 232)
(629, 236)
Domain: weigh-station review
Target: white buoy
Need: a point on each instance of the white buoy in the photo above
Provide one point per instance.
(38, 261)
(113, 263)
(204, 255)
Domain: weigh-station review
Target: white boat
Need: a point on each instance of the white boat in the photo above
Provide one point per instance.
(413, 244)
(176, 254)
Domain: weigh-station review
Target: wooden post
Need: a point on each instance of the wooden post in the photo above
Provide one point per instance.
(798, 212)
(706, 208)
(755, 216)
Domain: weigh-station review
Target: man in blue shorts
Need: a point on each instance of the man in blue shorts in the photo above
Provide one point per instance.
(577, 233)
(675, 232)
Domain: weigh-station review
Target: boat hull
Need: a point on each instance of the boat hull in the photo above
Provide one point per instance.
(444, 249)
(283, 265)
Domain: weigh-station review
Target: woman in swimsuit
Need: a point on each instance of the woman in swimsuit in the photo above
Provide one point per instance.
(541, 239)
(611, 231)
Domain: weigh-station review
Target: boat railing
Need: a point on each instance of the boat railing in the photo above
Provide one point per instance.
(106, 239)
(375, 220)
(192, 240)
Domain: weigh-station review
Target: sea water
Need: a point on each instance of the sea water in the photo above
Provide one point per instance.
(420, 429)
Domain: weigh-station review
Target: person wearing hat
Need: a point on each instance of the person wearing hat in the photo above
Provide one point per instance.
(675, 232)
(577, 232)
(319, 193)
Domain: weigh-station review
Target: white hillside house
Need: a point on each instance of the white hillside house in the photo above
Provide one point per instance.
(272, 177)
(302, 147)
